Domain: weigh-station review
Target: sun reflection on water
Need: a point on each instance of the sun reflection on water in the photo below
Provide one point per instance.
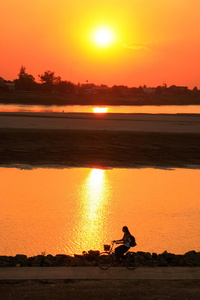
(100, 110)
(94, 210)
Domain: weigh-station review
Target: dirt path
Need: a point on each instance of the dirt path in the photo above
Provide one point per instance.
(100, 289)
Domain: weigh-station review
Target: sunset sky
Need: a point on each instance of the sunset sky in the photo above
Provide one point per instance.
(147, 42)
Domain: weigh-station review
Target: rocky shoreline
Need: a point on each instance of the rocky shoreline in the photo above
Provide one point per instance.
(189, 259)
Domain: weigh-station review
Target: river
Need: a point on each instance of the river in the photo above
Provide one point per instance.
(73, 210)
(149, 109)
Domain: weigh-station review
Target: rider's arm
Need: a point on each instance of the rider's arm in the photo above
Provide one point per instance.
(118, 241)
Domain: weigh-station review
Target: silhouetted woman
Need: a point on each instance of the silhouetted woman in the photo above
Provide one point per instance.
(126, 241)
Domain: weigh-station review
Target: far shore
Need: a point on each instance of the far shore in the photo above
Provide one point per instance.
(55, 98)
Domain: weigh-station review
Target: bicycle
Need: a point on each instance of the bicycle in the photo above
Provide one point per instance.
(106, 259)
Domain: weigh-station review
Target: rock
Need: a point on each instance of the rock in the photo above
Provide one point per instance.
(20, 257)
(77, 261)
(168, 256)
(63, 259)
(22, 260)
(192, 258)
(94, 253)
(47, 263)
(162, 261)
(37, 261)
(4, 258)
(30, 261)
(180, 261)
(146, 255)
(190, 253)
(50, 257)
(7, 261)
(154, 255)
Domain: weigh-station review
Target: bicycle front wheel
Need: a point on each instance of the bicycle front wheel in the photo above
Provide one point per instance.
(132, 260)
(104, 260)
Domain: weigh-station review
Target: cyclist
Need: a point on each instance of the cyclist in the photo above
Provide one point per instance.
(126, 241)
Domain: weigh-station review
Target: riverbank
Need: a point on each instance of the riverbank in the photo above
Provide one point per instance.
(85, 282)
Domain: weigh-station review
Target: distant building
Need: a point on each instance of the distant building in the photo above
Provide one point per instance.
(91, 89)
(149, 90)
(10, 86)
(6, 85)
(178, 89)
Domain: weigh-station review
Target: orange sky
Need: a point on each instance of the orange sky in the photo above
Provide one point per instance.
(154, 41)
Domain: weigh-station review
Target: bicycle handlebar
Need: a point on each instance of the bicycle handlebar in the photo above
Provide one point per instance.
(116, 242)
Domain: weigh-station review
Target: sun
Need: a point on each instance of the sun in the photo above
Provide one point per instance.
(103, 36)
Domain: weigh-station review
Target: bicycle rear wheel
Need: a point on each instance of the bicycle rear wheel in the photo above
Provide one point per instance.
(104, 260)
(132, 260)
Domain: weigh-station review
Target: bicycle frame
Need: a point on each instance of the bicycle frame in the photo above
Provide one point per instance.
(111, 250)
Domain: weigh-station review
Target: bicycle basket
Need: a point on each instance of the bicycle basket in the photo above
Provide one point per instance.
(106, 247)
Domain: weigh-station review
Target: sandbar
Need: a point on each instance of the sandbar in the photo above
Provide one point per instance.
(105, 141)
(180, 123)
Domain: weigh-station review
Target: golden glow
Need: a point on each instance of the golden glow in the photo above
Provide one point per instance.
(138, 44)
(100, 110)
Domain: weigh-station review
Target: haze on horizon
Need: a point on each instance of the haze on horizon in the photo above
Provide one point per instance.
(146, 42)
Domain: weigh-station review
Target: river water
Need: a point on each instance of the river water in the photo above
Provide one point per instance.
(149, 109)
(71, 210)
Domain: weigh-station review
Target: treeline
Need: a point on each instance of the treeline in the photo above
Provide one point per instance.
(51, 83)
(64, 91)
(26, 82)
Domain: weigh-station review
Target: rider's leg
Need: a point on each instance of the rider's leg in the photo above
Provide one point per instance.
(119, 252)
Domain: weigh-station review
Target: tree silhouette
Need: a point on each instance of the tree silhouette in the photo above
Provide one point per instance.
(25, 81)
(49, 80)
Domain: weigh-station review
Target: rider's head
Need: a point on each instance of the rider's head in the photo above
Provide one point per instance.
(125, 229)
